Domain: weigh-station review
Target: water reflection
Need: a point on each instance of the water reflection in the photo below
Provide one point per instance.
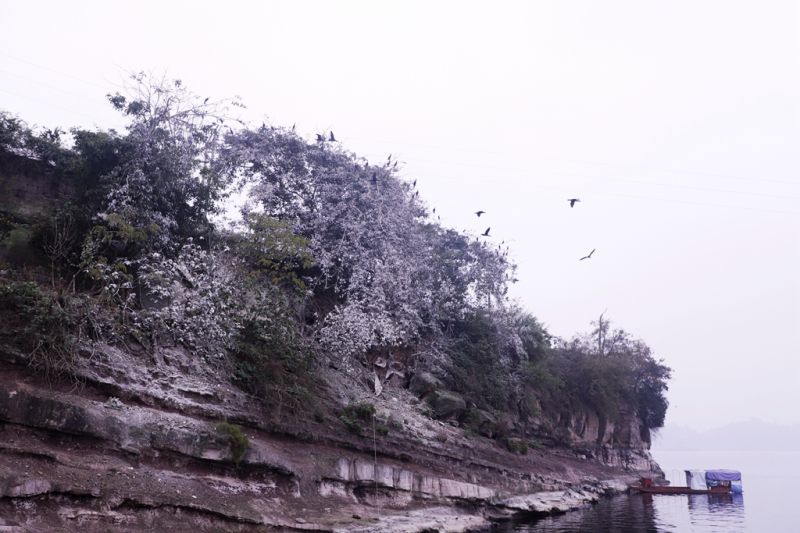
(645, 512)
(624, 514)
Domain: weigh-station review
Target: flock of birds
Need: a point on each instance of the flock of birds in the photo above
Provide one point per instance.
(572, 202)
(321, 137)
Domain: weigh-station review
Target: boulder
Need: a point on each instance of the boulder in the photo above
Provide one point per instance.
(446, 404)
(480, 421)
(423, 383)
(517, 445)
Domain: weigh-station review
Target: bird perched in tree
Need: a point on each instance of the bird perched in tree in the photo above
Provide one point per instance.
(333, 139)
(486, 233)
(374, 178)
(572, 201)
(434, 210)
(205, 101)
(479, 213)
(414, 184)
(320, 138)
(294, 126)
(587, 256)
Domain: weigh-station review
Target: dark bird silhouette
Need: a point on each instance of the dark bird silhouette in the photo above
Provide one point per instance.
(320, 138)
(479, 213)
(374, 178)
(416, 194)
(587, 256)
(434, 210)
(389, 158)
(333, 139)
(486, 233)
(414, 184)
(205, 101)
(293, 126)
(572, 201)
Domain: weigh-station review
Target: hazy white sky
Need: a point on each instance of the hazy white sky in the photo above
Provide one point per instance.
(677, 123)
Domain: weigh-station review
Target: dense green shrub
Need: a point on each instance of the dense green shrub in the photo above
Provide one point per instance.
(49, 327)
(270, 357)
(354, 416)
(237, 440)
(475, 366)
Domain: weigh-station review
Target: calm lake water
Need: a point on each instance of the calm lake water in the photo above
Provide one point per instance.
(768, 504)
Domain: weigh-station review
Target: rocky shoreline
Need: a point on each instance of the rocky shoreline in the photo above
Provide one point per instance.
(139, 447)
(455, 520)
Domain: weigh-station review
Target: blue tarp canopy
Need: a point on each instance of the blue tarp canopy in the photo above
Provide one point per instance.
(723, 475)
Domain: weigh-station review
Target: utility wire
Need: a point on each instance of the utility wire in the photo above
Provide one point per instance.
(44, 84)
(49, 69)
(494, 167)
(500, 155)
(529, 186)
(48, 104)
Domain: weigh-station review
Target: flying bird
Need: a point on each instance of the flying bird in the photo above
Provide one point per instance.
(486, 233)
(333, 139)
(479, 213)
(587, 256)
(572, 201)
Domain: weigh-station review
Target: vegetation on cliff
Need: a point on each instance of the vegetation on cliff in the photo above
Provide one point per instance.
(335, 260)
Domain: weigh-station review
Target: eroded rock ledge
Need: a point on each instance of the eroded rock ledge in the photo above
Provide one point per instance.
(80, 459)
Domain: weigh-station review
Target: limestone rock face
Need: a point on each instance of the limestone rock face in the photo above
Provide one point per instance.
(364, 473)
(624, 443)
(76, 461)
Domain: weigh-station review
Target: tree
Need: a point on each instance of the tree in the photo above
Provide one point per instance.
(59, 239)
(169, 181)
(613, 369)
(394, 275)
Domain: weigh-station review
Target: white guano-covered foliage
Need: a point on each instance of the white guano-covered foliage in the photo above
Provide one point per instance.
(394, 274)
(196, 299)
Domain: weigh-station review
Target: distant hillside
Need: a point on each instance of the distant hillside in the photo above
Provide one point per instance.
(746, 435)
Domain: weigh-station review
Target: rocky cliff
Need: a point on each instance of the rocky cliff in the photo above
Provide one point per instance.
(147, 435)
(137, 444)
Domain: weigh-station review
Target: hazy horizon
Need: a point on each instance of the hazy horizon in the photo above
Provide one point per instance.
(676, 124)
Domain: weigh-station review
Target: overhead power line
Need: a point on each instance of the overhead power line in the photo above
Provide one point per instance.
(60, 73)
